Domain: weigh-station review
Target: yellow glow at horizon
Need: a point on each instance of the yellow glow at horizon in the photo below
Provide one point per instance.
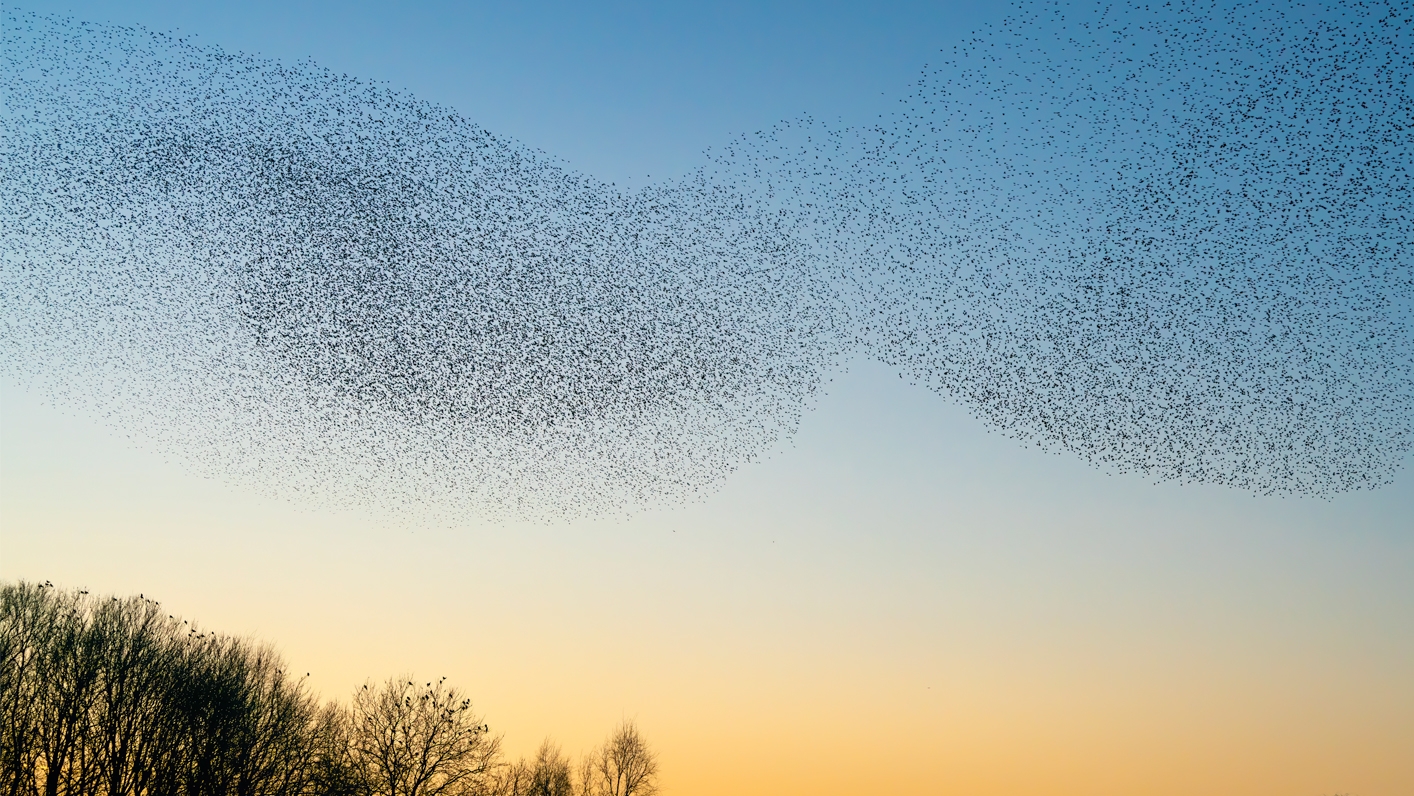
(900, 603)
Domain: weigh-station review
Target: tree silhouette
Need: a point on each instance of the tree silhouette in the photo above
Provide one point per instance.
(550, 774)
(110, 696)
(623, 766)
(409, 740)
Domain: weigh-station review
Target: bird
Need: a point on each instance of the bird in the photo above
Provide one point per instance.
(1167, 240)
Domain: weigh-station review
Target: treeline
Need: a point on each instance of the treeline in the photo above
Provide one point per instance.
(101, 696)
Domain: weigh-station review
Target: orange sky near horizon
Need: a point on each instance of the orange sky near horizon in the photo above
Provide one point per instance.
(855, 615)
(896, 602)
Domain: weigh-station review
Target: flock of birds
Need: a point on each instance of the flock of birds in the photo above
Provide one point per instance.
(1171, 239)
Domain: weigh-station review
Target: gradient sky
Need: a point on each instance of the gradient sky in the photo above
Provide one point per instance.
(897, 602)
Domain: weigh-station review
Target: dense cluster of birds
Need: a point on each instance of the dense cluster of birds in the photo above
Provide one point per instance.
(1172, 239)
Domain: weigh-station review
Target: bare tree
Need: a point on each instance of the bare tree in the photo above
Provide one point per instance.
(331, 769)
(550, 773)
(135, 647)
(586, 774)
(115, 697)
(623, 766)
(512, 779)
(112, 696)
(29, 616)
(411, 741)
(249, 728)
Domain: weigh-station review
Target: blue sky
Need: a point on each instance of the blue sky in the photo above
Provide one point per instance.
(619, 90)
(1003, 620)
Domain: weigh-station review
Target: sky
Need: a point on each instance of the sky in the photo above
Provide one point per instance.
(896, 601)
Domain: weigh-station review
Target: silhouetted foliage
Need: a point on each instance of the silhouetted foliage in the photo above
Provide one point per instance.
(101, 695)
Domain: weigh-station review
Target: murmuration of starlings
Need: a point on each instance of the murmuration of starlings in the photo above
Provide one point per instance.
(1168, 239)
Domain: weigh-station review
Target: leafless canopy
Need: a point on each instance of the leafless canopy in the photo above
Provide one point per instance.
(101, 695)
(408, 739)
(623, 766)
(115, 696)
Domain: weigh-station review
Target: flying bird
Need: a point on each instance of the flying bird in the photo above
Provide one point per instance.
(1170, 240)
